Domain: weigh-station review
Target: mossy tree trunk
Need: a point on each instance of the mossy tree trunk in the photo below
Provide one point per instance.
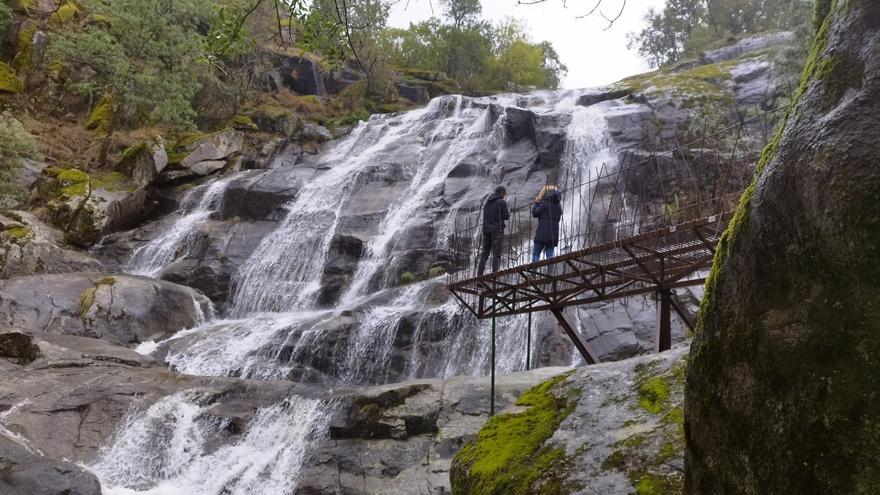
(783, 386)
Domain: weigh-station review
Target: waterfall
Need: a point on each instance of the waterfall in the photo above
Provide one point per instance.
(284, 273)
(274, 327)
(151, 258)
(166, 450)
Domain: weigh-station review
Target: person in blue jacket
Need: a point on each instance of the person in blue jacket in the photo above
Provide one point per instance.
(548, 210)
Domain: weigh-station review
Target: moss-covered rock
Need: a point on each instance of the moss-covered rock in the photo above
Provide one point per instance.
(9, 81)
(24, 52)
(101, 117)
(277, 119)
(144, 161)
(781, 389)
(510, 455)
(88, 206)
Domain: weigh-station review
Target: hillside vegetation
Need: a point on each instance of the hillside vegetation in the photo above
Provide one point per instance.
(83, 80)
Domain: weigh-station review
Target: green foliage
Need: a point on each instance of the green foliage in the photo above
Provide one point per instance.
(146, 57)
(5, 19)
(408, 278)
(16, 144)
(479, 57)
(683, 28)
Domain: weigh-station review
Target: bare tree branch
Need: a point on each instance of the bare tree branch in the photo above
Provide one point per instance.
(593, 10)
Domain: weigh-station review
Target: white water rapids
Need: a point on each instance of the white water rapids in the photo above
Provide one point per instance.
(274, 328)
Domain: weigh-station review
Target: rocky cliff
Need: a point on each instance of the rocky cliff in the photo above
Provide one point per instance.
(781, 394)
(229, 312)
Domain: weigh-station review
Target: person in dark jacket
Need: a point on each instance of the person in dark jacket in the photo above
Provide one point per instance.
(495, 213)
(548, 210)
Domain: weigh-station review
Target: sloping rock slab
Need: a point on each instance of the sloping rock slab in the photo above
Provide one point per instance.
(118, 308)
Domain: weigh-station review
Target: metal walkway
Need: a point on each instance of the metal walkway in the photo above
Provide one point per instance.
(649, 225)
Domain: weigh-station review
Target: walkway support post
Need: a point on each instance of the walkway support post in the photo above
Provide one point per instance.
(529, 344)
(579, 343)
(663, 340)
(492, 386)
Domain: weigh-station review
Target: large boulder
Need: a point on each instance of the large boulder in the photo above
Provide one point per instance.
(300, 74)
(200, 155)
(121, 309)
(28, 247)
(88, 206)
(613, 427)
(24, 471)
(145, 161)
(782, 390)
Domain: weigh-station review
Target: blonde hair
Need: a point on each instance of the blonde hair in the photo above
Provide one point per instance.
(545, 190)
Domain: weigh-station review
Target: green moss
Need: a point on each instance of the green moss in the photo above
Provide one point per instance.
(133, 150)
(86, 301)
(243, 122)
(72, 182)
(9, 81)
(408, 278)
(675, 417)
(24, 48)
(19, 232)
(654, 395)
(87, 297)
(839, 72)
(101, 117)
(351, 119)
(509, 454)
(436, 271)
(65, 13)
(112, 181)
(651, 484)
(615, 461)
(668, 451)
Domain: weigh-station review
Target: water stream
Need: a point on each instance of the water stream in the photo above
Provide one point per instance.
(275, 327)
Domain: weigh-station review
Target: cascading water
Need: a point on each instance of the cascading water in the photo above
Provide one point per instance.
(151, 258)
(275, 328)
(170, 443)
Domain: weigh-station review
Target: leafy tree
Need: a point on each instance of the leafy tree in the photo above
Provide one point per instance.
(665, 38)
(684, 27)
(462, 13)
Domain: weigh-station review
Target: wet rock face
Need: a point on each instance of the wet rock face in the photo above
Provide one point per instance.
(781, 388)
(24, 472)
(69, 401)
(29, 247)
(401, 438)
(119, 308)
(88, 206)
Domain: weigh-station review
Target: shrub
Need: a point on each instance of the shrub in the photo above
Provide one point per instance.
(15, 144)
